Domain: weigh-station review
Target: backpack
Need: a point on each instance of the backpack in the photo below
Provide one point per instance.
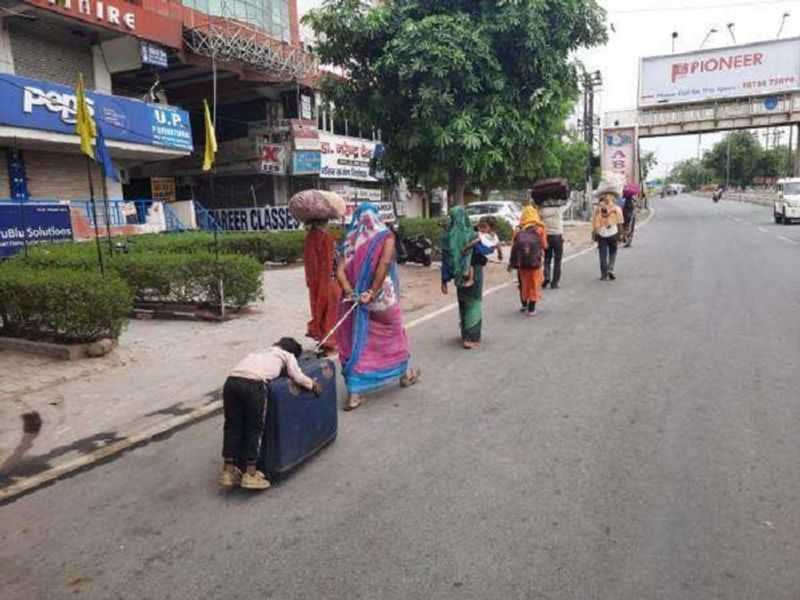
(528, 249)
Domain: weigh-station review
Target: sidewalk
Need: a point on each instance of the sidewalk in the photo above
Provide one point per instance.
(163, 374)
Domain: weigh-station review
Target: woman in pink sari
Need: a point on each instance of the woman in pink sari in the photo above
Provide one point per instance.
(372, 342)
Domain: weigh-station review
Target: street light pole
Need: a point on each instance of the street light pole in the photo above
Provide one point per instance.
(728, 168)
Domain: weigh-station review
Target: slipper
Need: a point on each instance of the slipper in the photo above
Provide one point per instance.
(408, 380)
(352, 406)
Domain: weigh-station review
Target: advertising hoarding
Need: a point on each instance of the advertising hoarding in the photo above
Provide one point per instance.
(46, 106)
(346, 157)
(619, 152)
(739, 71)
(305, 162)
(273, 158)
(32, 224)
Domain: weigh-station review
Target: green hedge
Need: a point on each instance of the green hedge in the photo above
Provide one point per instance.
(64, 305)
(187, 278)
(190, 278)
(433, 230)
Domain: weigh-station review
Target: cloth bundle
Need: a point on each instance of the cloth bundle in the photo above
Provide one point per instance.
(612, 183)
(317, 205)
(552, 192)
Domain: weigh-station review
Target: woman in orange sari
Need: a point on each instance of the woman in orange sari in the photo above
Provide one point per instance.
(527, 256)
(324, 293)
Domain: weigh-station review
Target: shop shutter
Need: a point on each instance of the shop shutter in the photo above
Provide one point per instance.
(5, 193)
(55, 176)
(52, 53)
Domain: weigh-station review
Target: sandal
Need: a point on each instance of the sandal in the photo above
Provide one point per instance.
(352, 405)
(411, 377)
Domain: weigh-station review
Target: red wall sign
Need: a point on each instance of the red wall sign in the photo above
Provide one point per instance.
(121, 16)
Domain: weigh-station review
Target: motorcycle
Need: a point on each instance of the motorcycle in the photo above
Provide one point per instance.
(416, 249)
(717, 196)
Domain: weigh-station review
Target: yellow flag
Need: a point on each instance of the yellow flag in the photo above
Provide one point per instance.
(84, 124)
(211, 140)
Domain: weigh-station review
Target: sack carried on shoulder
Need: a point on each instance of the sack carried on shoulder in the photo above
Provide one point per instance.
(528, 249)
(553, 189)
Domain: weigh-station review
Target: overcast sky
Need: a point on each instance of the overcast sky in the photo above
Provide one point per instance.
(644, 28)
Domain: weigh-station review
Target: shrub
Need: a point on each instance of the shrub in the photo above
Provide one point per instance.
(62, 304)
(190, 278)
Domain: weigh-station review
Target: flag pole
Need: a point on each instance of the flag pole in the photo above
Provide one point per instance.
(94, 217)
(107, 210)
(211, 175)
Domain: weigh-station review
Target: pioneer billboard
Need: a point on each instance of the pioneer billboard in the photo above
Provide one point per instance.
(738, 71)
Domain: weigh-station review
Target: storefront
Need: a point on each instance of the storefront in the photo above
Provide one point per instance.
(40, 154)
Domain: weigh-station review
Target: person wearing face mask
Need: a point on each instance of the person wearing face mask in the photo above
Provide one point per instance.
(605, 229)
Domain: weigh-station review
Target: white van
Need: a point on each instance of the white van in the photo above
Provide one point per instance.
(786, 207)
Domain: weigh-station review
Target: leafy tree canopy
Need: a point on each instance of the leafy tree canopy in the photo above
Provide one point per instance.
(476, 90)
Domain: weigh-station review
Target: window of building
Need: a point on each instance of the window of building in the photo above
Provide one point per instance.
(271, 16)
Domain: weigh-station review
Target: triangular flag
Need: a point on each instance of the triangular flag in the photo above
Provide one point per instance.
(102, 156)
(84, 125)
(211, 140)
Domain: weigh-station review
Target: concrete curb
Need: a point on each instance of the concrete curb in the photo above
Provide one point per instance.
(30, 484)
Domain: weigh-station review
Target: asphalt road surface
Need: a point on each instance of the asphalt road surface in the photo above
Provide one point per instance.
(638, 439)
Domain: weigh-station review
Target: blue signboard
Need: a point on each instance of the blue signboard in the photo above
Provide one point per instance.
(306, 162)
(153, 54)
(17, 175)
(32, 223)
(35, 104)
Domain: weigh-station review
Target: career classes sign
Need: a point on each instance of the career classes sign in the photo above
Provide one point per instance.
(263, 218)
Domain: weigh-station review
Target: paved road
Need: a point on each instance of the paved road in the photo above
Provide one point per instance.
(636, 440)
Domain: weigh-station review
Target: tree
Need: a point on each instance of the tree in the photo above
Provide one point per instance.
(692, 173)
(775, 162)
(477, 91)
(572, 154)
(745, 157)
(647, 161)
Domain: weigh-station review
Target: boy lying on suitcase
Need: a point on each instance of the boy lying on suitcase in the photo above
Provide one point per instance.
(244, 400)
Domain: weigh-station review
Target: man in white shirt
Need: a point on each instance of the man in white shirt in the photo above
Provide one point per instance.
(553, 217)
(244, 400)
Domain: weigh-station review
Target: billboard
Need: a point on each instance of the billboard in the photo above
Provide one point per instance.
(32, 223)
(749, 70)
(619, 152)
(346, 157)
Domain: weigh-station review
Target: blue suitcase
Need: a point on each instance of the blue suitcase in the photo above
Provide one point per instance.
(299, 423)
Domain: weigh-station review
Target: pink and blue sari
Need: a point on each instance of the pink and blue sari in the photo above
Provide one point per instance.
(372, 342)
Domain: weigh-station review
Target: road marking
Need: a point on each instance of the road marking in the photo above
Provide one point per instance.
(763, 229)
(789, 240)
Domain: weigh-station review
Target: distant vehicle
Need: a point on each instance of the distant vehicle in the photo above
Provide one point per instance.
(675, 189)
(786, 207)
(500, 209)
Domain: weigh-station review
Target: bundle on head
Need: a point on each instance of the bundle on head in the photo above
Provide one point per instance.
(612, 183)
(631, 190)
(550, 192)
(317, 205)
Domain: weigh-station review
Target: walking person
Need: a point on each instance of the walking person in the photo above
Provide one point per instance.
(464, 255)
(372, 341)
(629, 212)
(553, 218)
(324, 293)
(527, 256)
(605, 230)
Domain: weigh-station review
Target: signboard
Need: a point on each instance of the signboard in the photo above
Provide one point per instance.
(273, 159)
(619, 152)
(353, 193)
(163, 189)
(46, 106)
(385, 210)
(263, 218)
(17, 175)
(346, 157)
(153, 54)
(163, 26)
(305, 162)
(305, 107)
(32, 223)
(305, 135)
(750, 70)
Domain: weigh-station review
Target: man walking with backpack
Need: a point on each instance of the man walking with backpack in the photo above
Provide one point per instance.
(527, 256)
